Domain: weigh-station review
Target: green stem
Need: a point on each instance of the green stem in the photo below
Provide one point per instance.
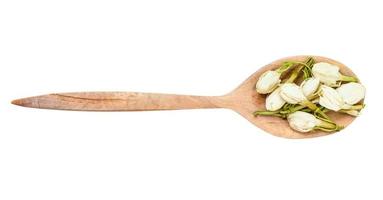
(268, 113)
(314, 108)
(354, 113)
(305, 110)
(348, 78)
(285, 66)
(306, 73)
(294, 75)
(353, 110)
(357, 107)
(310, 105)
(305, 64)
(313, 96)
(325, 129)
(293, 109)
(328, 126)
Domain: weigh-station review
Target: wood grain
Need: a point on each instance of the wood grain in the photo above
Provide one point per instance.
(117, 101)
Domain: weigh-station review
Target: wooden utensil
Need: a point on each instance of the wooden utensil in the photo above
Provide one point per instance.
(244, 100)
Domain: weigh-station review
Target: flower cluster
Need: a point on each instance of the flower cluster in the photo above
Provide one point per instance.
(308, 93)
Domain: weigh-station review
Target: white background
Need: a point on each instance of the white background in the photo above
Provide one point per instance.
(186, 47)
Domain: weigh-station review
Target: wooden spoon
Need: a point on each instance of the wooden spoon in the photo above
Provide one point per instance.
(244, 100)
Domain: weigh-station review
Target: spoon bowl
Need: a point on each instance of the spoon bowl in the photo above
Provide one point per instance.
(252, 101)
(244, 100)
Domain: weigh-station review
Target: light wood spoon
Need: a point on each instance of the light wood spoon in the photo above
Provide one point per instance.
(244, 100)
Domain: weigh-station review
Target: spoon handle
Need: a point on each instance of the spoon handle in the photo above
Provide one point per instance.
(117, 101)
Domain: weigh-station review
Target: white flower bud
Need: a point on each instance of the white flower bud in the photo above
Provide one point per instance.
(327, 73)
(274, 101)
(330, 99)
(352, 93)
(310, 86)
(292, 93)
(302, 121)
(267, 82)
